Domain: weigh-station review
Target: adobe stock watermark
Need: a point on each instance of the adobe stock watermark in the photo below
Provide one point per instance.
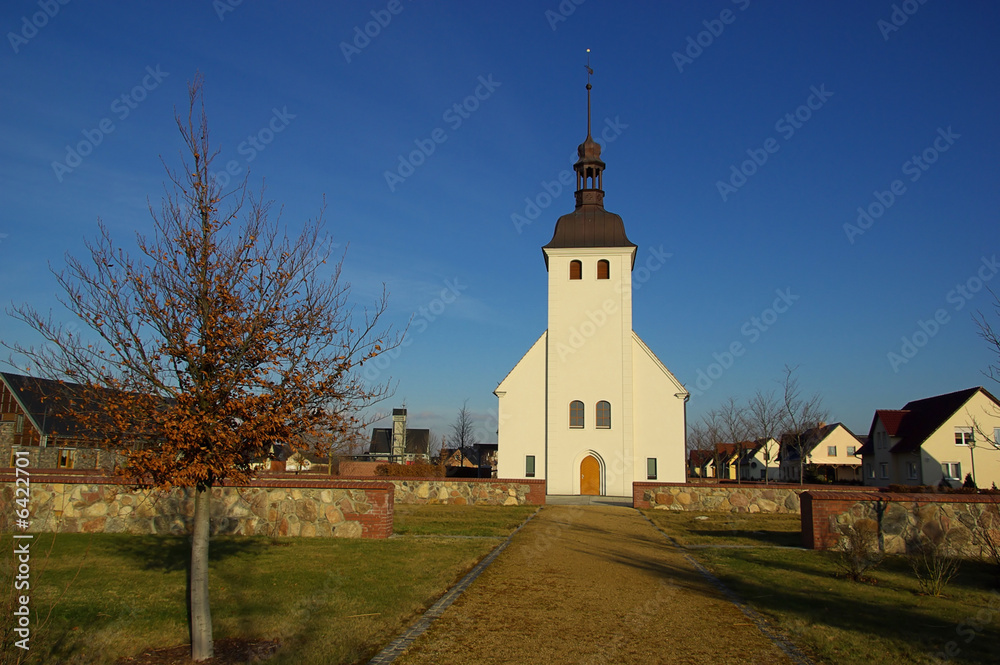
(563, 182)
(752, 330)
(454, 116)
(363, 36)
(419, 323)
(30, 25)
(223, 7)
(713, 30)
(787, 125)
(900, 14)
(253, 145)
(958, 298)
(594, 320)
(121, 107)
(969, 629)
(914, 167)
(562, 12)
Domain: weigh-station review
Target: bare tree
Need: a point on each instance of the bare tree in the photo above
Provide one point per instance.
(733, 422)
(218, 338)
(463, 431)
(991, 336)
(763, 415)
(799, 414)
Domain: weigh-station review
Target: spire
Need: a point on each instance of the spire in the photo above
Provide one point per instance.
(589, 167)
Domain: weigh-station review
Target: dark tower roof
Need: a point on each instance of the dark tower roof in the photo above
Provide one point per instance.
(590, 225)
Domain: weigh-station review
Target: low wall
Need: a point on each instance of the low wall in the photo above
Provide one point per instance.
(900, 518)
(469, 491)
(725, 497)
(76, 502)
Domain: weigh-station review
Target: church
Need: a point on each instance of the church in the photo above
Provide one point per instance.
(589, 407)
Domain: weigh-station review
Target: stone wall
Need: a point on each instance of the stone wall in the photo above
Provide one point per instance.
(901, 519)
(469, 491)
(98, 504)
(48, 457)
(719, 497)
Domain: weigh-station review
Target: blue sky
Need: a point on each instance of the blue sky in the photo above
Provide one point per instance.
(740, 138)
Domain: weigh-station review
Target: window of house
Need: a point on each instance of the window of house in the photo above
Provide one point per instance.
(871, 470)
(576, 414)
(883, 470)
(952, 470)
(604, 415)
(851, 450)
(963, 436)
(19, 424)
(831, 451)
(603, 269)
(529, 466)
(650, 468)
(911, 470)
(996, 436)
(66, 458)
(575, 270)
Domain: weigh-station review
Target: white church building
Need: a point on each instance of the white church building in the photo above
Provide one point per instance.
(590, 408)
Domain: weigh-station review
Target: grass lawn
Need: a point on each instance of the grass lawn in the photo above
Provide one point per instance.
(839, 621)
(694, 529)
(327, 600)
(459, 520)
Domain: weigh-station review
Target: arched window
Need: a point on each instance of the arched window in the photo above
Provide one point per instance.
(576, 414)
(575, 270)
(603, 269)
(604, 415)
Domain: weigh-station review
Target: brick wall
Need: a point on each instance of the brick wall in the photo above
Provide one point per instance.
(75, 501)
(959, 519)
(725, 497)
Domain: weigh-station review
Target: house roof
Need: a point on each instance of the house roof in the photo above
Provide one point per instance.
(699, 457)
(417, 441)
(920, 418)
(469, 453)
(46, 403)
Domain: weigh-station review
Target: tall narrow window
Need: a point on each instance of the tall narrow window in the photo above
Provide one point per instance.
(603, 269)
(529, 466)
(575, 270)
(576, 414)
(66, 458)
(604, 415)
(650, 468)
(19, 424)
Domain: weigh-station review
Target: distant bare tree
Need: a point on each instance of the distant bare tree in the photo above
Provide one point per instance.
(991, 336)
(733, 422)
(799, 414)
(463, 430)
(763, 415)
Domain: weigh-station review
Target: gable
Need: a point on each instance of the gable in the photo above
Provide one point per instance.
(639, 345)
(528, 363)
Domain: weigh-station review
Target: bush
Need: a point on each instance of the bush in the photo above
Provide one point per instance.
(859, 549)
(934, 563)
(417, 470)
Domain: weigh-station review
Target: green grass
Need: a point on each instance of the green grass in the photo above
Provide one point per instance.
(742, 529)
(327, 600)
(839, 621)
(496, 521)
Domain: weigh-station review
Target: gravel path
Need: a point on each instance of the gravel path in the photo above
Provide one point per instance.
(592, 585)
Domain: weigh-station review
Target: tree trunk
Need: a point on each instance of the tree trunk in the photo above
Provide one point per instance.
(201, 612)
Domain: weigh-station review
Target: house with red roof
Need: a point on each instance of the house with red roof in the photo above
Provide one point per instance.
(936, 440)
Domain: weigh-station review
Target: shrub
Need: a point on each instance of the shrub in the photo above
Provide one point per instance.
(934, 563)
(418, 470)
(859, 549)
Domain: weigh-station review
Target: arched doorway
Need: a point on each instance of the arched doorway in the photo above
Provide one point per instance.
(590, 476)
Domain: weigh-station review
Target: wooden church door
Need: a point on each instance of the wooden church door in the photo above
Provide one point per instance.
(590, 476)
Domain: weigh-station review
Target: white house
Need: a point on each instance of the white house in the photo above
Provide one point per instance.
(936, 440)
(589, 407)
(830, 451)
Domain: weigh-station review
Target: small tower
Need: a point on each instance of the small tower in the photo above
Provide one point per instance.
(398, 434)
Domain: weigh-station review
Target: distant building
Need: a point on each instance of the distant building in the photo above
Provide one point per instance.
(829, 452)
(398, 443)
(936, 440)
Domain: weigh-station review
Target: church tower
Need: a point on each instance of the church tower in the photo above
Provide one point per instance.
(589, 407)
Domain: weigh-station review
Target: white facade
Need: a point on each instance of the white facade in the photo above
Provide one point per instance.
(589, 407)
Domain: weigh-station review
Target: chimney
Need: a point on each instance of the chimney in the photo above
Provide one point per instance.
(398, 434)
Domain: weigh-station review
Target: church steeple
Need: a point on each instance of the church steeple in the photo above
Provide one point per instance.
(589, 225)
(589, 167)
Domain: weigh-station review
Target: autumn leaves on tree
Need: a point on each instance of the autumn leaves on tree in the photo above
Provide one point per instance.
(218, 338)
